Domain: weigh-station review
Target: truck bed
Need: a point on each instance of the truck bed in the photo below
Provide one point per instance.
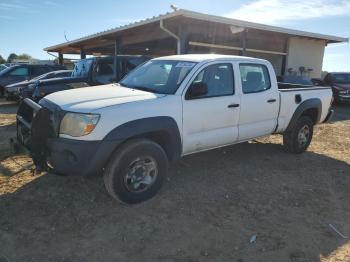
(292, 95)
(283, 85)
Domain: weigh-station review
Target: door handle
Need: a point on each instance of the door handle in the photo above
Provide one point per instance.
(271, 100)
(233, 105)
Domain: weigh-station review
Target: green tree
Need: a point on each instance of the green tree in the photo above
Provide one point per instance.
(24, 57)
(11, 57)
(2, 60)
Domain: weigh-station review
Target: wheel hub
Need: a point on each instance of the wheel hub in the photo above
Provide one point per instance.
(303, 135)
(141, 174)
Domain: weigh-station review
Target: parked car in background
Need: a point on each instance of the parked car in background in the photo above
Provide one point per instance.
(100, 70)
(165, 109)
(18, 73)
(2, 67)
(55, 85)
(92, 71)
(295, 80)
(340, 83)
(12, 91)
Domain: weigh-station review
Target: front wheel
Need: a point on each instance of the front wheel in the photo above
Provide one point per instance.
(136, 171)
(299, 138)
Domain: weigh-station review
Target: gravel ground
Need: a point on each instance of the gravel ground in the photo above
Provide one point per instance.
(209, 209)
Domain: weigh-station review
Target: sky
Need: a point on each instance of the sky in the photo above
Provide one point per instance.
(29, 26)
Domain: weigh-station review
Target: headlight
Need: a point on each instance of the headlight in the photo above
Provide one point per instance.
(343, 92)
(76, 124)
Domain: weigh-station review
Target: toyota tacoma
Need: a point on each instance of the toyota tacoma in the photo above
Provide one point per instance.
(165, 109)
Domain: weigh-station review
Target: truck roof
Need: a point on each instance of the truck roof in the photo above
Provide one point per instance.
(208, 57)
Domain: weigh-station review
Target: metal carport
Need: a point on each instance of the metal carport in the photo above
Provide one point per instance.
(184, 31)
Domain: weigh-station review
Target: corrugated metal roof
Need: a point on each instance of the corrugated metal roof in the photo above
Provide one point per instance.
(205, 17)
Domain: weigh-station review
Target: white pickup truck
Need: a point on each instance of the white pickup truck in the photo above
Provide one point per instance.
(165, 109)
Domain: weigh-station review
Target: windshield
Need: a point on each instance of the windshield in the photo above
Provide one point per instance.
(158, 76)
(82, 68)
(341, 78)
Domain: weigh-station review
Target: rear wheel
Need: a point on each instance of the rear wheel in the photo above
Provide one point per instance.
(136, 171)
(299, 138)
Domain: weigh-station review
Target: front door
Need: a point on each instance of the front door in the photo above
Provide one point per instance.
(259, 102)
(210, 120)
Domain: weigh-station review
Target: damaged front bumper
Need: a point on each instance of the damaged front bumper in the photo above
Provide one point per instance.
(37, 131)
(34, 127)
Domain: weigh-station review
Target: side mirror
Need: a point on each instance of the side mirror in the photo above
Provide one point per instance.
(197, 89)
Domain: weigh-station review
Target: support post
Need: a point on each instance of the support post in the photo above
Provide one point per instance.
(60, 58)
(82, 54)
(183, 35)
(178, 44)
(285, 57)
(243, 38)
(116, 65)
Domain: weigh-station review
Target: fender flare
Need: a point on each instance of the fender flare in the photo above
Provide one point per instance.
(305, 105)
(140, 127)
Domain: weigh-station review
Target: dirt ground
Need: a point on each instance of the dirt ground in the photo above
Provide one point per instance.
(209, 209)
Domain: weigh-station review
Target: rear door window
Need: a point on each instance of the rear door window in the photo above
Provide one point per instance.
(254, 78)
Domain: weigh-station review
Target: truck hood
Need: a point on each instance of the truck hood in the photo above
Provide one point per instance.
(89, 99)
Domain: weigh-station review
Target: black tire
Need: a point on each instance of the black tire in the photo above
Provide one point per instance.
(116, 173)
(291, 139)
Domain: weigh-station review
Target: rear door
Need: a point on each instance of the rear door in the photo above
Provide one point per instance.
(211, 120)
(259, 102)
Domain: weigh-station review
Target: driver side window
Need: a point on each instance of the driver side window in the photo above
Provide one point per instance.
(218, 79)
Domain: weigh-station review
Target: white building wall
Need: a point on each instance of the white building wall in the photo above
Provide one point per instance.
(307, 53)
